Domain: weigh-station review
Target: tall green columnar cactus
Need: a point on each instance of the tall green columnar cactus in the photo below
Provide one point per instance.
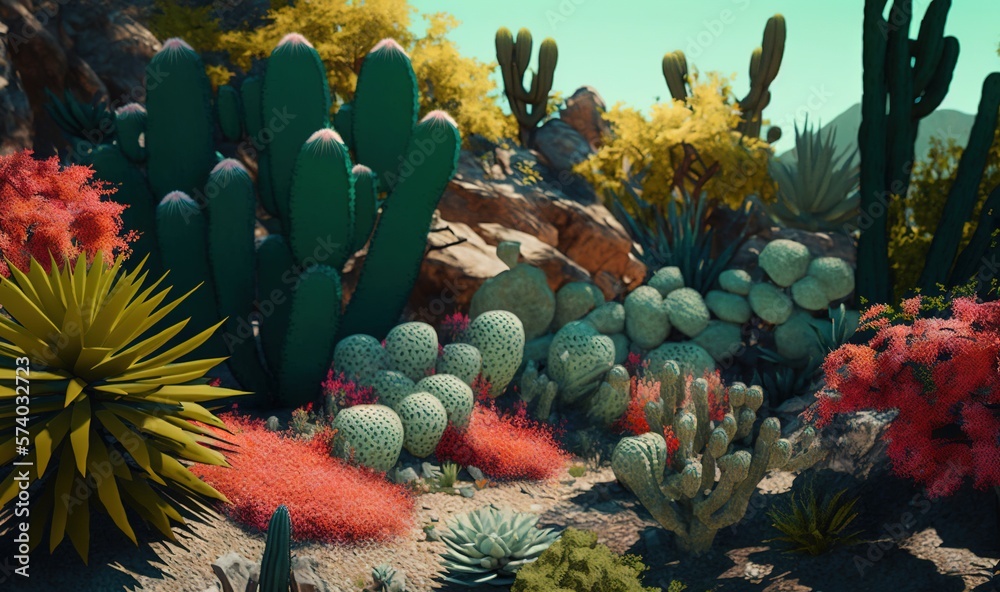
(765, 62)
(673, 486)
(962, 200)
(527, 104)
(276, 565)
(420, 174)
(904, 81)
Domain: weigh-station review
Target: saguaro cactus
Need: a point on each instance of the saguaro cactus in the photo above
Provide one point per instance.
(764, 64)
(276, 565)
(514, 56)
(673, 486)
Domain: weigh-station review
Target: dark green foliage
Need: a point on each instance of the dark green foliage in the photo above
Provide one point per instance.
(783, 380)
(275, 278)
(343, 122)
(576, 563)
(814, 523)
(678, 235)
(130, 128)
(276, 565)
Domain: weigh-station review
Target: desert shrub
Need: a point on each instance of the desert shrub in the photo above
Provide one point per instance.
(329, 500)
(942, 375)
(654, 144)
(913, 218)
(47, 209)
(504, 445)
(577, 563)
(343, 32)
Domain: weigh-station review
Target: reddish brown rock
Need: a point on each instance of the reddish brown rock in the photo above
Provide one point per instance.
(584, 112)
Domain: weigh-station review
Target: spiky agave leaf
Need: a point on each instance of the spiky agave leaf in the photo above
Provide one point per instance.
(489, 545)
(111, 417)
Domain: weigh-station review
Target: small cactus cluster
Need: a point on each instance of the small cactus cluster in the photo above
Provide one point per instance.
(705, 483)
(421, 388)
(324, 182)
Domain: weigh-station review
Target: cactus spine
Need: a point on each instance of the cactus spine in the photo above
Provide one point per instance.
(514, 56)
(276, 565)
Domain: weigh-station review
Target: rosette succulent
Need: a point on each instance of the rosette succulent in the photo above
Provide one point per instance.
(489, 545)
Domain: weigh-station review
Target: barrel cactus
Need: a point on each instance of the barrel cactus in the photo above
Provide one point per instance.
(412, 349)
(462, 360)
(455, 395)
(424, 420)
(489, 546)
(499, 337)
(359, 357)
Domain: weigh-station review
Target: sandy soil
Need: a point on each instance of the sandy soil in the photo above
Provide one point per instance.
(945, 546)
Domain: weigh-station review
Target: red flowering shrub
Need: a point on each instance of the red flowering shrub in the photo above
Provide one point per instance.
(329, 500)
(942, 375)
(454, 325)
(47, 209)
(507, 446)
(645, 390)
(345, 392)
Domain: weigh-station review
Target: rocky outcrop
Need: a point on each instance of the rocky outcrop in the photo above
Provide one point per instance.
(90, 48)
(508, 195)
(584, 113)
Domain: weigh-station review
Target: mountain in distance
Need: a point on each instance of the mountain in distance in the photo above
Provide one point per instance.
(944, 123)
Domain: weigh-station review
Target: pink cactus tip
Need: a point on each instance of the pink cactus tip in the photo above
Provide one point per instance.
(130, 109)
(176, 43)
(326, 135)
(294, 40)
(439, 116)
(177, 198)
(389, 44)
(228, 165)
(360, 169)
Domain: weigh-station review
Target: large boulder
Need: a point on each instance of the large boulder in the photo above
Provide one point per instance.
(584, 112)
(561, 146)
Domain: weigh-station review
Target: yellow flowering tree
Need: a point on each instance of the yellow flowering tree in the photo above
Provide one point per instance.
(706, 120)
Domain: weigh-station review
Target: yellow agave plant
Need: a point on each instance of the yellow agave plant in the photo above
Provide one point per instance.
(95, 410)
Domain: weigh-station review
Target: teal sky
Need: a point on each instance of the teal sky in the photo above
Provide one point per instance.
(616, 46)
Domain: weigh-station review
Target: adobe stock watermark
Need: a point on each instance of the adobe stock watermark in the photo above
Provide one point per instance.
(22, 468)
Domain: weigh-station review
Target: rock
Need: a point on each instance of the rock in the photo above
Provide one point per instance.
(432, 535)
(467, 491)
(784, 261)
(796, 339)
(16, 118)
(728, 306)
(687, 310)
(406, 475)
(809, 294)
(305, 575)
(855, 444)
(584, 112)
(609, 318)
(557, 267)
(770, 303)
(723, 341)
(233, 571)
(834, 276)
(561, 146)
(537, 349)
(475, 473)
(819, 244)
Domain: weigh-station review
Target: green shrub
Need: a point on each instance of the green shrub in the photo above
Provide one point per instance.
(576, 563)
(814, 523)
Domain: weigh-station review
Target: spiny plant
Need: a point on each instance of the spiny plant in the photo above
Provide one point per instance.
(448, 476)
(109, 402)
(529, 105)
(818, 191)
(814, 523)
(325, 204)
(276, 564)
(83, 123)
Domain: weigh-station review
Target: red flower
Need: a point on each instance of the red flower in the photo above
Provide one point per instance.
(345, 392)
(50, 212)
(941, 375)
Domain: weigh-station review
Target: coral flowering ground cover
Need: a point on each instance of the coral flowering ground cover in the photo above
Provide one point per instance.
(504, 445)
(942, 374)
(46, 209)
(329, 500)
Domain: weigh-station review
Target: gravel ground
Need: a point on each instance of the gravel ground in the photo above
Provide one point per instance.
(949, 546)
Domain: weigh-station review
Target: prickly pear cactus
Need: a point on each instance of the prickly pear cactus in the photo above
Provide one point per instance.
(499, 337)
(424, 420)
(462, 360)
(412, 349)
(611, 399)
(455, 395)
(579, 357)
(359, 357)
(369, 435)
(391, 387)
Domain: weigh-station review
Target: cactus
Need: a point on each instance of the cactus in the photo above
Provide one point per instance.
(276, 565)
(784, 261)
(412, 349)
(687, 311)
(611, 399)
(537, 386)
(455, 395)
(764, 64)
(391, 387)
(462, 360)
(527, 104)
(835, 276)
(770, 303)
(905, 81)
(728, 306)
(574, 301)
(647, 318)
(387, 579)
(673, 487)
(327, 206)
(523, 290)
(579, 357)
(424, 419)
(499, 337)
(359, 357)
(369, 435)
